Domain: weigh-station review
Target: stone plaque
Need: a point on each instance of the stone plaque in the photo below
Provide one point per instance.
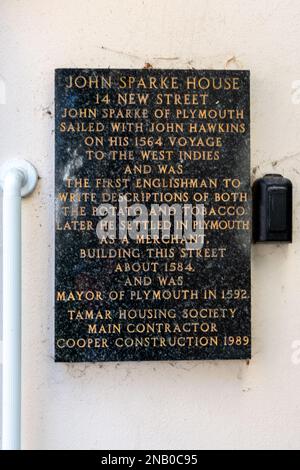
(153, 217)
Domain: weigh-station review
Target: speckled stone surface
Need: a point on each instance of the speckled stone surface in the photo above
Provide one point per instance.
(78, 280)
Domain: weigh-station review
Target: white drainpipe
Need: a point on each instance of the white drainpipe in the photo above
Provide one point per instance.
(18, 178)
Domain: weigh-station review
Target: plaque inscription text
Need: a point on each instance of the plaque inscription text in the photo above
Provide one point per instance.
(152, 244)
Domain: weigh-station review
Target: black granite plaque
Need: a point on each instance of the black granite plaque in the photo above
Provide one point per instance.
(152, 246)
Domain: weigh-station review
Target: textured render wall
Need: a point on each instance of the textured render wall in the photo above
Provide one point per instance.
(157, 405)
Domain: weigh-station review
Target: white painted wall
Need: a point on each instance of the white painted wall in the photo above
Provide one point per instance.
(156, 405)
